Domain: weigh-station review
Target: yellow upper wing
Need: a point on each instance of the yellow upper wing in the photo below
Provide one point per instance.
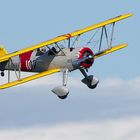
(66, 36)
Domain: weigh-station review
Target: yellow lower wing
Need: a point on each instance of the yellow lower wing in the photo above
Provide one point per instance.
(110, 50)
(42, 74)
(29, 78)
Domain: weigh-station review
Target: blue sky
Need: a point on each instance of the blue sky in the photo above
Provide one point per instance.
(27, 23)
(33, 106)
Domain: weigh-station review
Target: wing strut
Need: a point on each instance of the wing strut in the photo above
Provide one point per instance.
(101, 38)
(112, 33)
(29, 78)
(65, 36)
(109, 40)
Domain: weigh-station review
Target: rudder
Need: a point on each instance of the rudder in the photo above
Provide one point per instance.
(2, 51)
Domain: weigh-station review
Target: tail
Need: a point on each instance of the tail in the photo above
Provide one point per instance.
(3, 64)
(2, 51)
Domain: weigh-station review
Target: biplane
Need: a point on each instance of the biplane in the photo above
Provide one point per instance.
(61, 54)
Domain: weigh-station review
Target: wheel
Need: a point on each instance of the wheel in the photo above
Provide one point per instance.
(2, 73)
(92, 86)
(63, 97)
(61, 91)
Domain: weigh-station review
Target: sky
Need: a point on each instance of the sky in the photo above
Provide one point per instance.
(111, 111)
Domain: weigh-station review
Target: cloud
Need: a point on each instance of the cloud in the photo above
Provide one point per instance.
(120, 83)
(74, 81)
(34, 104)
(123, 129)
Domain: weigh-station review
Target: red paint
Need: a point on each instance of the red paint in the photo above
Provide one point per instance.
(25, 61)
(88, 63)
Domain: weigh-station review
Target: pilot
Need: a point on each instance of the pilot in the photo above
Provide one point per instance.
(43, 50)
(40, 51)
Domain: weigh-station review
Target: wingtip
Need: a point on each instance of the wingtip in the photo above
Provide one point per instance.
(130, 14)
(125, 44)
(122, 45)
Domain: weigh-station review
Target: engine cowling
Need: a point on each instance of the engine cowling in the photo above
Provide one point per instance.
(83, 53)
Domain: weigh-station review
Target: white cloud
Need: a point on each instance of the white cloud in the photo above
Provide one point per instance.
(56, 79)
(114, 99)
(111, 83)
(125, 129)
(115, 81)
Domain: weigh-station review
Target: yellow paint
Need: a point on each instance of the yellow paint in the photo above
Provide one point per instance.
(2, 51)
(110, 50)
(66, 36)
(30, 78)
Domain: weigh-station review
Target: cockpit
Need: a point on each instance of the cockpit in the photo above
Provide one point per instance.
(50, 50)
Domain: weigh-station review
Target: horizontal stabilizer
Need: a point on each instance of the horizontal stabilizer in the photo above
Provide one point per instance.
(29, 78)
(110, 50)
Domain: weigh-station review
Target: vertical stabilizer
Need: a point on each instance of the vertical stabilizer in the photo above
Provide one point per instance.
(2, 51)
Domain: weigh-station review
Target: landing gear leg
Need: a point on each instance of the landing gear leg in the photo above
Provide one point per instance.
(65, 77)
(91, 81)
(62, 91)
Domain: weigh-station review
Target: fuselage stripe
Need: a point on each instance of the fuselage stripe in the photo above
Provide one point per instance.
(25, 61)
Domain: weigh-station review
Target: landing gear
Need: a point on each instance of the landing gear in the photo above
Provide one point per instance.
(2, 73)
(63, 97)
(62, 91)
(91, 81)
